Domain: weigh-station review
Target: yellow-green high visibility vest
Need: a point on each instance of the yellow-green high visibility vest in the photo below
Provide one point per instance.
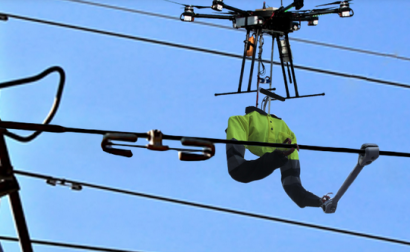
(259, 126)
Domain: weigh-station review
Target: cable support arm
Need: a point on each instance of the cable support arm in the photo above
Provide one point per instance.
(61, 129)
(9, 186)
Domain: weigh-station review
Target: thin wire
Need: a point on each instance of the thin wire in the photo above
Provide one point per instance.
(68, 245)
(201, 49)
(220, 209)
(231, 28)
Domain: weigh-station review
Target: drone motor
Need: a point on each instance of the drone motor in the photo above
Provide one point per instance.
(346, 12)
(295, 26)
(188, 15)
(314, 21)
(216, 5)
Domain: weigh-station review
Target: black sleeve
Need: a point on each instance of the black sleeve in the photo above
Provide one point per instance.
(246, 171)
(293, 186)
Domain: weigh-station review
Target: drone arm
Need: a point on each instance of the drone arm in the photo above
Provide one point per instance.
(308, 16)
(212, 16)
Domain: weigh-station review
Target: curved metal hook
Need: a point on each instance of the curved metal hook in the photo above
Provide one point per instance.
(106, 143)
(53, 109)
(207, 153)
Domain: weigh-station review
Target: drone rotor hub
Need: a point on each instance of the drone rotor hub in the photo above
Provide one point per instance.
(314, 21)
(188, 15)
(217, 5)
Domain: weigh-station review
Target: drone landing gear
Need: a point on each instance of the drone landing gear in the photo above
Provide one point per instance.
(247, 45)
(371, 154)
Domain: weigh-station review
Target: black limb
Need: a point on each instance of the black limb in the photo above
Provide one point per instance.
(243, 60)
(253, 60)
(291, 64)
(283, 66)
(272, 95)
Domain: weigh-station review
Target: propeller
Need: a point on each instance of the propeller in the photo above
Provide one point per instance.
(337, 2)
(227, 13)
(313, 10)
(188, 5)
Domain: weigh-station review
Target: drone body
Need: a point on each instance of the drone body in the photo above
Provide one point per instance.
(277, 22)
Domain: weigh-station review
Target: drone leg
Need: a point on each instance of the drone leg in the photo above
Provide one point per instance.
(253, 60)
(243, 60)
(271, 66)
(290, 77)
(291, 65)
(283, 67)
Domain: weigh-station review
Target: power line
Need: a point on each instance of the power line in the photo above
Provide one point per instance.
(68, 245)
(219, 209)
(234, 29)
(61, 129)
(192, 48)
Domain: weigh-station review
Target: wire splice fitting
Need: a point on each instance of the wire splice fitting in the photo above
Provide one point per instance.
(106, 143)
(207, 153)
(155, 141)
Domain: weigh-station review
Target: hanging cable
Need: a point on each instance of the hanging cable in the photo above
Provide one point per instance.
(241, 30)
(53, 109)
(201, 49)
(219, 209)
(68, 245)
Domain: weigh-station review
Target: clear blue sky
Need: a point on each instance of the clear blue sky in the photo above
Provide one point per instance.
(119, 84)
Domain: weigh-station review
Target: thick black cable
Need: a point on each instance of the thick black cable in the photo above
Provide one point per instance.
(186, 47)
(219, 209)
(234, 29)
(60, 129)
(68, 245)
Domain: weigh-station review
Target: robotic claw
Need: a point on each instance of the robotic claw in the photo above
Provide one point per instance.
(371, 154)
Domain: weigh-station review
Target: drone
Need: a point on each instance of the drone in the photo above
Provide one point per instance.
(276, 22)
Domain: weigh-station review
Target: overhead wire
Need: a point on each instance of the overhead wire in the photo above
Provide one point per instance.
(68, 245)
(62, 129)
(192, 48)
(234, 29)
(219, 209)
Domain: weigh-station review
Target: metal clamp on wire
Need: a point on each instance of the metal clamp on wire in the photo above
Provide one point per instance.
(106, 143)
(207, 152)
(63, 182)
(155, 141)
